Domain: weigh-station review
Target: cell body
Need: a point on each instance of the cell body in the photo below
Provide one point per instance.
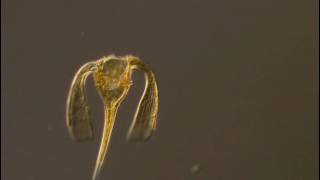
(112, 77)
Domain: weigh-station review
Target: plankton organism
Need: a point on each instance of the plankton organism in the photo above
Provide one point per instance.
(112, 78)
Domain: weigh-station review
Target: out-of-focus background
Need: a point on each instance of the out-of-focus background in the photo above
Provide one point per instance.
(238, 84)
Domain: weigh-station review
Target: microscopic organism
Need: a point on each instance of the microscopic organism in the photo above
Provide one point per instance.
(112, 79)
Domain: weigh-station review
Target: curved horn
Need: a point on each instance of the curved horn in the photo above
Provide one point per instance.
(145, 118)
(78, 121)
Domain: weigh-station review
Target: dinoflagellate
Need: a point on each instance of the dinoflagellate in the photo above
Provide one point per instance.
(112, 79)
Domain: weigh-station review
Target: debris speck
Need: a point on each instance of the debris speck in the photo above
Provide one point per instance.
(195, 169)
(50, 128)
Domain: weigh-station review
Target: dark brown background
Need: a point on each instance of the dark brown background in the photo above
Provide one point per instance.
(237, 81)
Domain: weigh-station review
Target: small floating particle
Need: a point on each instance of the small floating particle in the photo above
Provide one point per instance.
(195, 169)
(50, 128)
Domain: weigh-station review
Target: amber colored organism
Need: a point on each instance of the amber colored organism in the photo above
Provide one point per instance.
(112, 77)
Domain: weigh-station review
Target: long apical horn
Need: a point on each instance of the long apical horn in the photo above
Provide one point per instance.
(145, 118)
(78, 120)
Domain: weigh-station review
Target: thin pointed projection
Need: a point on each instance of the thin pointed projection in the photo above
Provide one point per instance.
(112, 77)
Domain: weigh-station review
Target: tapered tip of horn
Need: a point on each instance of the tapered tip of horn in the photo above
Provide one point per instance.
(139, 134)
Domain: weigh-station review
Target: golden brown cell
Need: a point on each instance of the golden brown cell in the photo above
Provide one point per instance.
(112, 77)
